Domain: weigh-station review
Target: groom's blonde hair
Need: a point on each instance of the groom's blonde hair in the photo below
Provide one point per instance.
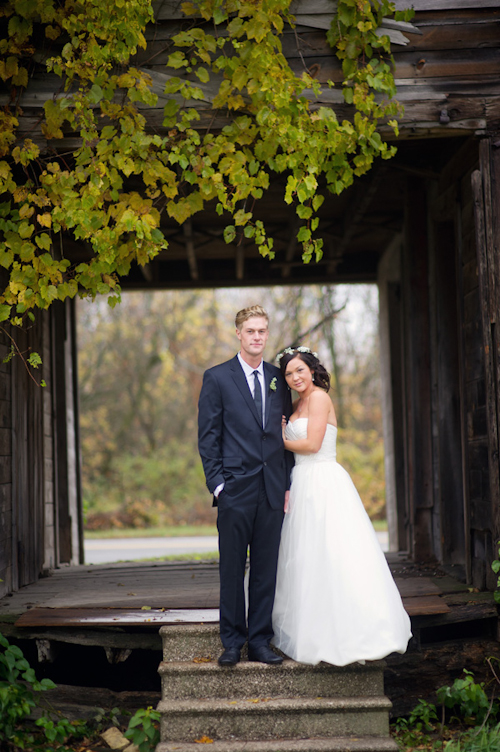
(248, 313)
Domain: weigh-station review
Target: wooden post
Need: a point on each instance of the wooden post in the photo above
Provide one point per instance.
(415, 273)
(485, 187)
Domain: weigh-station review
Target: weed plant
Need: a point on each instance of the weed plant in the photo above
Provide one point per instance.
(467, 715)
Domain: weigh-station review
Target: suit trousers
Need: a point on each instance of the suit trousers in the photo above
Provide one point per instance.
(242, 524)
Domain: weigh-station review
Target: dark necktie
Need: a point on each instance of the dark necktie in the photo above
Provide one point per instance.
(257, 394)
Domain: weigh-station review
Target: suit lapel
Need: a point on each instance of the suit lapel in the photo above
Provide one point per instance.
(241, 382)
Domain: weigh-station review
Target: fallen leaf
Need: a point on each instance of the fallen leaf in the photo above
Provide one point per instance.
(145, 608)
(200, 659)
(204, 740)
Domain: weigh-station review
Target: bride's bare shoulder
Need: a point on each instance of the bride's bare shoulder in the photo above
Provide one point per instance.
(320, 398)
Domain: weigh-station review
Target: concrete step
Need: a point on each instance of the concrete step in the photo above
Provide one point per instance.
(333, 744)
(262, 719)
(185, 680)
(184, 642)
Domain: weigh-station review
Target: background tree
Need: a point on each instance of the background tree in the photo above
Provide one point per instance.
(141, 367)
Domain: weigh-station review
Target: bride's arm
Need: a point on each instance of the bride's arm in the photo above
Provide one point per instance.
(319, 408)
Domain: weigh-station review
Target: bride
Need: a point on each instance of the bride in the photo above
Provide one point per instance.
(335, 598)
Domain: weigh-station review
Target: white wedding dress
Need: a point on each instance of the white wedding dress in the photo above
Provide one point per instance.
(336, 600)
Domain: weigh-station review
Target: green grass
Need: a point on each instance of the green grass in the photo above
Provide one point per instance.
(380, 525)
(153, 532)
(209, 556)
(483, 740)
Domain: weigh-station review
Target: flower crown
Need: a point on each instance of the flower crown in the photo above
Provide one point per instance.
(292, 350)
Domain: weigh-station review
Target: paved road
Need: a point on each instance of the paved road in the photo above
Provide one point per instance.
(109, 550)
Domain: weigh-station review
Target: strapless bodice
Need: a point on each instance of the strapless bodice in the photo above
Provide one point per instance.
(328, 449)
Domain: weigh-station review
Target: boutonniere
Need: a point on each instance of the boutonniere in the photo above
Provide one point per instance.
(273, 383)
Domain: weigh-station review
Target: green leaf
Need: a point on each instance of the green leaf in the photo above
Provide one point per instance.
(95, 94)
(203, 75)
(176, 60)
(43, 241)
(229, 233)
(25, 230)
(4, 312)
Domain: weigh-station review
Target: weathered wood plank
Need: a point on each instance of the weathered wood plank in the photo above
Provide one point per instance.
(115, 617)
(425, 605)
(481, 187)
(412, 587)
(171, 9)
(415, 273)
(422, 5)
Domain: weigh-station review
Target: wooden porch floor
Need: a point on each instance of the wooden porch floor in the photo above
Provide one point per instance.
(149, 595)
(98, 627)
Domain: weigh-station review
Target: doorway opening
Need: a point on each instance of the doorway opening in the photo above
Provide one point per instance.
(140, 373)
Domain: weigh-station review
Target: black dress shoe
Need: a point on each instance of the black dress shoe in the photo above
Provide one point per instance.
(264, 654)
(229, 657)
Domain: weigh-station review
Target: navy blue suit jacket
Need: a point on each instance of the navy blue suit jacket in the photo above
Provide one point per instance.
(234, 447)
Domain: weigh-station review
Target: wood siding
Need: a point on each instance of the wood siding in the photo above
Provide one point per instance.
(37, 530)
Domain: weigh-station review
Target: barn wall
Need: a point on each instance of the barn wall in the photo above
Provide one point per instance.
(36, 483)
(449, 345)
(5, 470)
(484, 200)
(450, 222)
(389, 286)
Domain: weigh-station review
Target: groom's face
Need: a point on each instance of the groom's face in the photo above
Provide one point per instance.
(253, 336)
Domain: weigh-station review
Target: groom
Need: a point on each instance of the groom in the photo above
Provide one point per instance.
(247, 470)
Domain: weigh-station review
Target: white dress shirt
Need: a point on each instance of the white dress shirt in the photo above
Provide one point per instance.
(248, 371)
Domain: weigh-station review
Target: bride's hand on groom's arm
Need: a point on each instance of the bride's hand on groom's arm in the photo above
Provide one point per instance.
(283, 426)
(287, 501)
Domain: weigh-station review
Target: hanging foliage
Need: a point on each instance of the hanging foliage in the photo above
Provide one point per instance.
(111, 191)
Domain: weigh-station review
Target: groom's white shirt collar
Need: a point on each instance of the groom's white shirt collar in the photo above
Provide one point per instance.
(248, 371)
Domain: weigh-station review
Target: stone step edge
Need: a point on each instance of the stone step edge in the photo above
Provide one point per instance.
(333, 744)
(287, 665)
(282, 705)
(169, 630)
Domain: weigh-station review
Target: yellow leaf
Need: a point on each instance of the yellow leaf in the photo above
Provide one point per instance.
(45, 220)
(26, 211)
(204, 740)
(20, 78)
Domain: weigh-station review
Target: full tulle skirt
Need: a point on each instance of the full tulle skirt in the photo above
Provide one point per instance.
(336, 600)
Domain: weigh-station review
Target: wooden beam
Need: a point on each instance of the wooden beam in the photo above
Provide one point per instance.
(487, 250)
(415, 278)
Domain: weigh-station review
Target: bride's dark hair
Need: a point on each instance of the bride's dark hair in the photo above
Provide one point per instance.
(320, 374)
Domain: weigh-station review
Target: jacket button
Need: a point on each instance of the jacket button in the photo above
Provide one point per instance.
(264, 437)
(265, 464)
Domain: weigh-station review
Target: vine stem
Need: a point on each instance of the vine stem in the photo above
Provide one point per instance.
(21, 355)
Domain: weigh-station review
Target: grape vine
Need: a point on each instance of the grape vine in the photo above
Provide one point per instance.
(87, 48)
